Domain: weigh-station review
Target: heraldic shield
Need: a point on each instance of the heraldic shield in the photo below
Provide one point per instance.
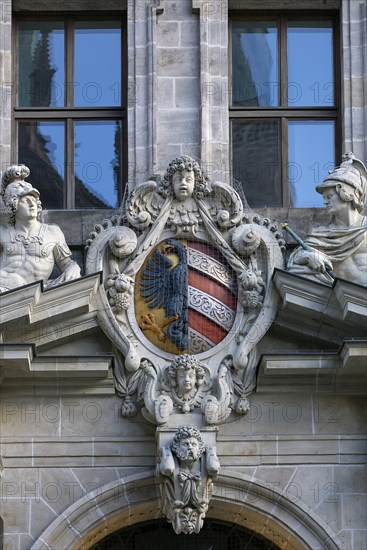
(185, 297)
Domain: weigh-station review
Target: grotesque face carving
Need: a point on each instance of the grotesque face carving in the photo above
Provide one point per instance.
(187, 520)
(188, 449)
(188, 444)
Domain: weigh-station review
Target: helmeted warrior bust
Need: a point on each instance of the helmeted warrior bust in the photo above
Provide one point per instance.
(29, 248)
(341, 246)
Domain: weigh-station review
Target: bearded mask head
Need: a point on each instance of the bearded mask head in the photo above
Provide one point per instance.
(188, 444)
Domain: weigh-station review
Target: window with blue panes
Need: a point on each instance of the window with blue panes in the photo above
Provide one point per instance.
(284, 105)
(69, 111)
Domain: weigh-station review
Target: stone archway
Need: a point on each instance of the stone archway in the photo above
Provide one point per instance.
(237, 498)
(158, 533)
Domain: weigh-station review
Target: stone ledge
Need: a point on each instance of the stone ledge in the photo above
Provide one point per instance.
(19, 360)
(353, 301)
(21, 369)
(50, 452)
(35, 304)
(341, 372)
(329, 313)
(54, 316)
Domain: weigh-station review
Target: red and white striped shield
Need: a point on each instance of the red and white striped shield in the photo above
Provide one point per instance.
(188, 286)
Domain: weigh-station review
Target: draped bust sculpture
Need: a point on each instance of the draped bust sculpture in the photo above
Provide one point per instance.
(339, 249)
(29, 248)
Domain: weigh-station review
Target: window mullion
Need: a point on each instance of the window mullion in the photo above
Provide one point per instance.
(286, 196)
(69, 168)
(69, 62)
(69, 88)
(283, 62)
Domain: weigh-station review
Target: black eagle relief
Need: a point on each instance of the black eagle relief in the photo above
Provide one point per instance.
(185, 297)
(164, 285)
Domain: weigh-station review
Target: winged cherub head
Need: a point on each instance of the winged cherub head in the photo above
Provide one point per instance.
(183, 179)
(186, 375)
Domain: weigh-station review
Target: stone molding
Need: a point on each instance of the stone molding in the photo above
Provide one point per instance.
(328, 313)
(339, 372)
(43, 451)
(35, 304)
(48, 318)
(352, 300)
(19, 360)
(121, 504)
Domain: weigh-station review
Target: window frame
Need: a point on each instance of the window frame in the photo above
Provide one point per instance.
(284, 112)
(70, 113)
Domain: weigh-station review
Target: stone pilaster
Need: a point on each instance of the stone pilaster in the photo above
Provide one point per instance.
(354, 77)
(178, 85)
(6, 84)
(214, 87)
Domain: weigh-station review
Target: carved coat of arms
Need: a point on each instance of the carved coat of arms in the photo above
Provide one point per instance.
(186, 296)
(186, 271)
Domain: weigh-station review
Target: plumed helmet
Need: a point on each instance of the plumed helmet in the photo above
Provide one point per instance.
(14, 186)
(351, 172)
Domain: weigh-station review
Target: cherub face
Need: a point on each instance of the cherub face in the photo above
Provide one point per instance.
(183, 183)
(186, 380)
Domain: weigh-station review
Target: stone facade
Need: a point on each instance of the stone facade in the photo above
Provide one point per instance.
(73, 469)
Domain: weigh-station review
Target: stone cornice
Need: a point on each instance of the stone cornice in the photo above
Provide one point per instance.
(342, 372)
(327, 313)
(20, 368)
(32, 321)
(35, 305)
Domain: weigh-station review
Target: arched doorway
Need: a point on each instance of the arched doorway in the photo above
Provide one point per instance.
(238, 499)
(215, 535)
